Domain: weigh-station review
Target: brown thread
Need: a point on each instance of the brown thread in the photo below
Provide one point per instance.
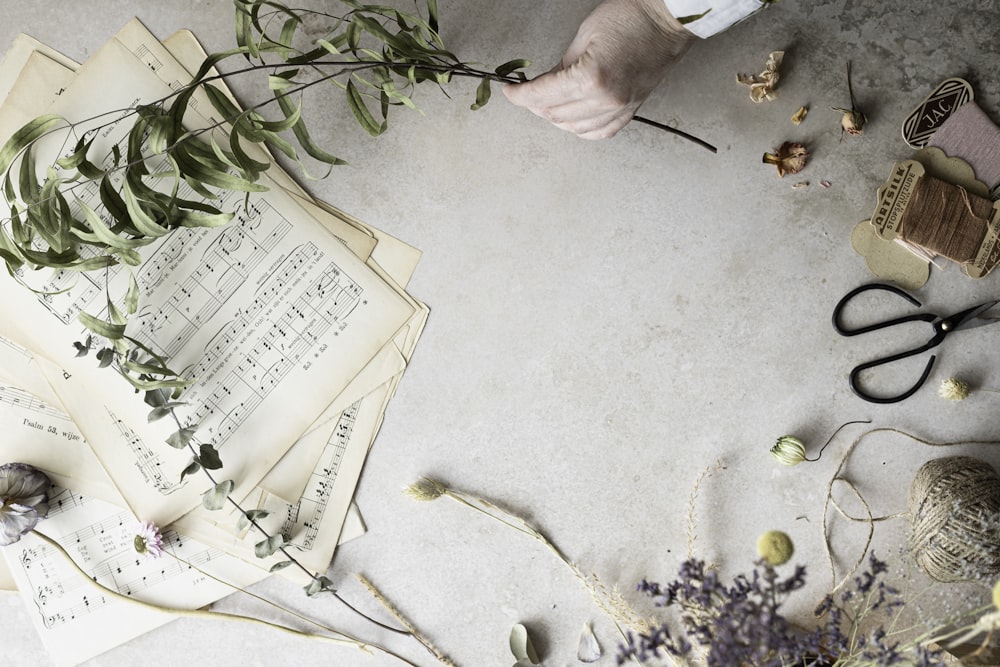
(946, 220)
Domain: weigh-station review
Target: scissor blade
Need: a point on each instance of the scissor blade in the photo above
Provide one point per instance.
(973, 317)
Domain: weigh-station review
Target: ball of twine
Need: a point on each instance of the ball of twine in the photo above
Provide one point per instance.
(955, 516)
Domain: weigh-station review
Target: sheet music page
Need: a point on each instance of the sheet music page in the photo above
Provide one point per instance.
(75, 619)
(41, 434)
(270, 321)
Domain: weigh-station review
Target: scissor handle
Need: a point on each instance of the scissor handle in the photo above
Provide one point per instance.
(861, 393)
(844, 331)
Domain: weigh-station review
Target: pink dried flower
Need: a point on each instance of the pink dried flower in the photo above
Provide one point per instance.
(149, 540)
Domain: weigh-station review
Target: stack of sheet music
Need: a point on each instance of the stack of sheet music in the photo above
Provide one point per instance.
(293, 320)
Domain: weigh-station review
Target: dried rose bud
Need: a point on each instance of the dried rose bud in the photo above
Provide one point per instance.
(853, 121)
(24, 500)
(789, 158)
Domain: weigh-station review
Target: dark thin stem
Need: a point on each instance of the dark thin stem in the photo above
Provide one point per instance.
(680, 133)
(839, 429)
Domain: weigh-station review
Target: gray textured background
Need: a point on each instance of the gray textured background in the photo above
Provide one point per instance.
(608, 319)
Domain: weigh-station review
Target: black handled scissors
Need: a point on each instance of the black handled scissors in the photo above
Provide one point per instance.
(943, 326)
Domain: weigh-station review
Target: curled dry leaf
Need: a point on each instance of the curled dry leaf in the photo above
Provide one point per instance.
(762, 86)
(589, 650)
(789, 158)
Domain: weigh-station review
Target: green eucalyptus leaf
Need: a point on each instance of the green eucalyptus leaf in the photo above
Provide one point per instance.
(192, 468)
(304, 138)
(318, 585)
(208, 457)
(357, 105)
(181, 438)
(268, 546)
(25, 136)
(105, 356)
(215, 498)
(511, 66)
(100, 327)
(163, 410)
(482, 95)
(249, 516)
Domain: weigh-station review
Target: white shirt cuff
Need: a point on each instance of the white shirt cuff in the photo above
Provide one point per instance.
(705, 18)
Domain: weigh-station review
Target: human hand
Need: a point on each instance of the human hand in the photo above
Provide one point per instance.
(620, 54)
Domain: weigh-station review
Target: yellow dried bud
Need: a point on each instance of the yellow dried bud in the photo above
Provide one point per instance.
(775, 547)
(426, 489)
(954, 389)
(789, 450)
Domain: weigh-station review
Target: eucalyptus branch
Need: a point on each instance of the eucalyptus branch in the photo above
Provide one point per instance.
(319, 583)
(342, 640)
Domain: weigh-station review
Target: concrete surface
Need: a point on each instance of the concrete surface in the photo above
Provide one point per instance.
(609, 320)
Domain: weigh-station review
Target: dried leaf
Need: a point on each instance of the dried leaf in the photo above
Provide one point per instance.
(521, 646)
(589, 650)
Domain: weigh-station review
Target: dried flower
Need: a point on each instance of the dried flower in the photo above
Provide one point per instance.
(426, 489)
(789, 450)
(775, 547)
(149, 540)
(800, 115)
(853, 120)
(789, 158)
(24, 500)
(954, 389)
(762, 85)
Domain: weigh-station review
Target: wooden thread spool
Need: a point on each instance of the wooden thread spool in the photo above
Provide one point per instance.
(946, 219)
(955, 519)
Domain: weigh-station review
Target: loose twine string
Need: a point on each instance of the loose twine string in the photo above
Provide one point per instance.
(948, 537)
(946, 219)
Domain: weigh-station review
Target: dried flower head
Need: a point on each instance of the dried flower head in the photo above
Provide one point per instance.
(24, 500)
(789, 450)
(149, 540)
(775, 547)
(762, 86)
(954, 389)
(789, 158)
(853, 120)
(426, 489)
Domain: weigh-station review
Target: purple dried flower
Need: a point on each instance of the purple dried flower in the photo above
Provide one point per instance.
(149, 540)
(24, 500)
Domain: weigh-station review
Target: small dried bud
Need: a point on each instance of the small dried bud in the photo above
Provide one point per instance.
(426, 489)
(853, 121)
(800, 115)
(789, 450)
(789, 158)
(775, 547)
(954, 389)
